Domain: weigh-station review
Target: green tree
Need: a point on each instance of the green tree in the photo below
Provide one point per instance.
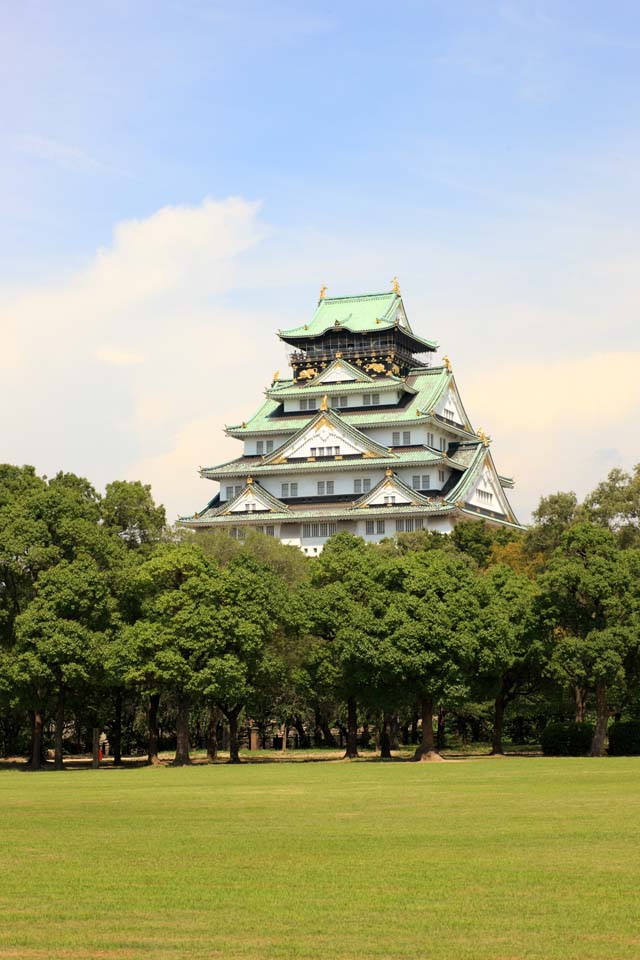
(431, 621)
(509, 654)
(129, 510)
(615, 503)
(588, 605)
(553, 515)
(347, 606)
(62, 638)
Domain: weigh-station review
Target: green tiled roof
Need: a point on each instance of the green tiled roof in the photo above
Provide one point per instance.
(435, 505)
(255, 466)
(290, 389)
(428, 382)
(367, 313)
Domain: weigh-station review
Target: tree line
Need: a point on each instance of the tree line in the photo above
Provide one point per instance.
(112, 620)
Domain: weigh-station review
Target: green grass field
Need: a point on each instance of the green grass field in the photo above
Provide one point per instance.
(504, 859)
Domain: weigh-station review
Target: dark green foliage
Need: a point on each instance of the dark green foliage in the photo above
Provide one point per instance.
(566, 739)
(624, 738)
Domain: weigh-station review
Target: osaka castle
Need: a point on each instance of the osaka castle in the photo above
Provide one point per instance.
(368, 435)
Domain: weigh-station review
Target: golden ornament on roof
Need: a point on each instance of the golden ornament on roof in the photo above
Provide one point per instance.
(395, 286)
(323, 291)
(323, 403)
(483, 437)
(276, 376)
(447, 363)
(388, 472)
(249, 481)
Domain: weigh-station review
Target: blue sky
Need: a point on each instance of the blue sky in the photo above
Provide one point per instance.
(487, 153)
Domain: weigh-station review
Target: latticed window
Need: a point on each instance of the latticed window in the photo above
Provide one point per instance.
(406, 438)
(321, 488)
(270, 530)
(260, 446)
(310, 530)
(269, 446)
(370, 525)
(294, 489)
(284, 490)
(395, 438)
(379, 526)
(448, 415)
(441, 476)
(409, 524)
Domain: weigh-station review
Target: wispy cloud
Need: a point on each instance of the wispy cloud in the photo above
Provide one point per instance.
(65, 156)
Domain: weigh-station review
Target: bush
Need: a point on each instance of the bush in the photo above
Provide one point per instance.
(624, 738)
(568, 739)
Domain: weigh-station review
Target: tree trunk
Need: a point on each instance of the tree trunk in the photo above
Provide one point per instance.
(602, 721)
(212, 734)
(394, 732)
(117, 729)
(154, 733)
(414, 727)
(580, 700)
(182, 733)
(37, 761)
(285, 731)
(442, 714)
(385, 738)
(498, 720)
(352, 729)
(232, 717)
(59, 731)
(427, 749)
(95, 748)
(302, 733)
(329, 739)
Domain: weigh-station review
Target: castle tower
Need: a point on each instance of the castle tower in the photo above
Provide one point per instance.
(365, 437)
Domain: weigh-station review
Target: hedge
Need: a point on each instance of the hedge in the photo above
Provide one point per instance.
(567, 739)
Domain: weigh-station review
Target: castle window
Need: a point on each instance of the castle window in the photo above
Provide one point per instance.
(260, 446)
(284, 490)
(321, 488)
(375, 399)
(250, 507)
(329, 487)
(294, 489)
(441, 476)
(415, 483)
(379, 526)
(370, 526)
(448, 415)
(270, 530)
(406, 438)
(485, 495)
(389, 500)
(366, 399)
(318, 530)
(426, 481)
(443, 443)
(229, 492)
(237, 490)
(395, 438)
(430, 442)
(362, 486)
(269, 446)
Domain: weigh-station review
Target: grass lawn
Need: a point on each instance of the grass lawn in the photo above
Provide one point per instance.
(500, 859)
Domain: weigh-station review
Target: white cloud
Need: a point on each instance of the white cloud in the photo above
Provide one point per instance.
(118, 358)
